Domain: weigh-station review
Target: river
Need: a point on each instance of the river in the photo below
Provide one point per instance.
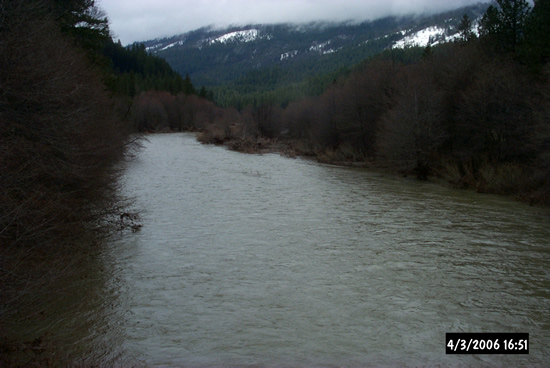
(267, 261)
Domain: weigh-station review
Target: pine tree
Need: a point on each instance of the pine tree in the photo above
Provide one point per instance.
(84, 21)
(514, 15)
(188, 87)
(537, 41)
(505, 26)
(465, 29)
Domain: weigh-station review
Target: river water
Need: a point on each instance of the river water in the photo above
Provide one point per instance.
(267, 261)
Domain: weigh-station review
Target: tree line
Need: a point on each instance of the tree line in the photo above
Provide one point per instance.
(60, 134)
(62, 138)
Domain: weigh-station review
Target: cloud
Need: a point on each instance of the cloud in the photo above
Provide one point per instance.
(140, 20)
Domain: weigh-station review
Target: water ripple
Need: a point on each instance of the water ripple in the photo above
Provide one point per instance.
(249, 260)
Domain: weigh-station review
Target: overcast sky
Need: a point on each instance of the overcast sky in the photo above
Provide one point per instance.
(142, 20)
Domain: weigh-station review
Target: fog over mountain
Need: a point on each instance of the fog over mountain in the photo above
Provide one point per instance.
(272, 56)
(139, 20)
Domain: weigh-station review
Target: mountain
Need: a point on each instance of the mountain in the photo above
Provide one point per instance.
(241, 57)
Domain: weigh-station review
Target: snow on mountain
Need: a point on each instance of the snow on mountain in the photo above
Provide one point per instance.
(244, 36)
(162, 46)
(179, 43)
(321, 48)
(427, 36)
(248, 35)
(289, 55)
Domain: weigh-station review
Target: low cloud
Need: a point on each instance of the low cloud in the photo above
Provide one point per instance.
(140, 20)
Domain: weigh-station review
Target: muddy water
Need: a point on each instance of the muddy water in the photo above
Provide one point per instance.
(261, 260)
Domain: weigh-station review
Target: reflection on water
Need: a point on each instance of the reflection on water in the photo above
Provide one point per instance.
(268, 261)
(63, 314)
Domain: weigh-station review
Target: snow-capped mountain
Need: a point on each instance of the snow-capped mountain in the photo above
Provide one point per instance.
(205, 37)
(213, 56)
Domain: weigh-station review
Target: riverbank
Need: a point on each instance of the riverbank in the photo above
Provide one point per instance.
(508, 179)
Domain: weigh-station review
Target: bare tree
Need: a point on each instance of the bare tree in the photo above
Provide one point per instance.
(365, 98)
(412, 131)
(59, 148)
(494, 118)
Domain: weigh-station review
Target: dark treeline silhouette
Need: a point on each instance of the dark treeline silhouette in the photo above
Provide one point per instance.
(61, 139)
(475, 111)
(60, 134)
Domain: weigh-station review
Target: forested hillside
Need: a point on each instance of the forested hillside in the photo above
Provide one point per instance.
(244, 64)
(132, 70)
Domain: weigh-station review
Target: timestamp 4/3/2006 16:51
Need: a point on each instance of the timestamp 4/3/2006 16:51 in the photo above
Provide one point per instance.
(487, 343)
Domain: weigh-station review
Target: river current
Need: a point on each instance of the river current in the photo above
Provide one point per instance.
(267, 261)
